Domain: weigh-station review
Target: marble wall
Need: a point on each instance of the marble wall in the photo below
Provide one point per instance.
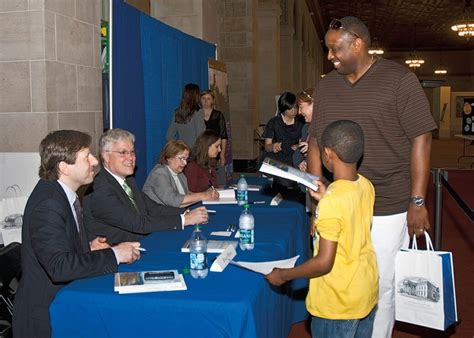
(50, 72)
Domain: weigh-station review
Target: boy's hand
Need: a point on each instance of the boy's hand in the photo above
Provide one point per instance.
(275, 277)
(317, 195)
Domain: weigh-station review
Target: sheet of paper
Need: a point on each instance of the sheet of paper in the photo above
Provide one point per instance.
(223, 259)
(226, 196)
(221, 233)
(277, 199)
(266, 267)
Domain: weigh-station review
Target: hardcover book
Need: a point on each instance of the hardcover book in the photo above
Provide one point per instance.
(148, 281)
(276, 168)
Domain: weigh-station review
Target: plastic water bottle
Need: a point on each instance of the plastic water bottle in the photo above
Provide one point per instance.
(246, 226)
(242, 191)
(198, 254)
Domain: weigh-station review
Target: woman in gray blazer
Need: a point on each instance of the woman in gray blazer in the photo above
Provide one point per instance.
(166, 184)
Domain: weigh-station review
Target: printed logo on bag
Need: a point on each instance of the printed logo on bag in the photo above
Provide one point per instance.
(418, 288)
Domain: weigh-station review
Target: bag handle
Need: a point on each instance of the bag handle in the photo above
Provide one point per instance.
(429, 244)
(15, 188)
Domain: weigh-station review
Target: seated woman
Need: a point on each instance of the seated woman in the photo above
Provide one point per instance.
(283, 132)
(201, 171)
(166, 184)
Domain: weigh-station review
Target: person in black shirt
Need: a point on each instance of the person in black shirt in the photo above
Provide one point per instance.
(214, 120)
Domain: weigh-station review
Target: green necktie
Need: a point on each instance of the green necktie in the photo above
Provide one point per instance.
(129, 193)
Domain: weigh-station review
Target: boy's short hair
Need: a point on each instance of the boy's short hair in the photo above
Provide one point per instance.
(345, 138)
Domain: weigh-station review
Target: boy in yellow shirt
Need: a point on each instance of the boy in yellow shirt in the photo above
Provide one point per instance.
(343, 287)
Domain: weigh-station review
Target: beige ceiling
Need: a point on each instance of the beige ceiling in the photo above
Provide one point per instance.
(393, 22)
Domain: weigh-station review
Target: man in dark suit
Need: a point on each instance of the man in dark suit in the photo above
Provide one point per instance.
(114, 206)
(55, 249)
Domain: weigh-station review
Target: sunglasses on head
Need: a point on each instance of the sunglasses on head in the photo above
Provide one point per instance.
(337, 24)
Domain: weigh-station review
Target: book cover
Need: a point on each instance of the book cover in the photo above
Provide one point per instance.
(148, 281)
(276, 168)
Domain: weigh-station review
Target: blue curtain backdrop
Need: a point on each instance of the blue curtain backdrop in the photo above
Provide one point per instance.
(151, 64)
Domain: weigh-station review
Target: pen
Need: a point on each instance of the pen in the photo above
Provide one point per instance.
(142, 249)
(209, 211)
(257, 202)
(211, 185)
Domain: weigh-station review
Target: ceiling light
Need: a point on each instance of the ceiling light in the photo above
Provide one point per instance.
(414, 61)
(440, 70)
(465, 27)
(375, 49)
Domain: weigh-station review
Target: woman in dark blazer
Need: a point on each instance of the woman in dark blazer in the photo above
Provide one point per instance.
(166, 184)
(214, 120)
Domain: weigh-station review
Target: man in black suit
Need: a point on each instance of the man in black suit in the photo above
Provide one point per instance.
(55, 249)
(114, 206)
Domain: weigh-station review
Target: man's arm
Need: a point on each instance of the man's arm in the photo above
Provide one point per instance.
(417, 217)
(52, 238)
(314, 165)
(313, 267)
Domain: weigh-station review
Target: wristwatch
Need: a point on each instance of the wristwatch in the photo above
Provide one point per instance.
(417, 200)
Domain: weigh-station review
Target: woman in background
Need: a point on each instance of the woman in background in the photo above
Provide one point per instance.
(188, 120)
(305, 101)
(166, 184)
(214, 120)
(201, 171)
(283, 132)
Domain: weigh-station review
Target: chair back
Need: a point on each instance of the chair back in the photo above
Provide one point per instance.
(10, 261)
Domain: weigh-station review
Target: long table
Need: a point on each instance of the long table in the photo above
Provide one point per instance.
(233, 303)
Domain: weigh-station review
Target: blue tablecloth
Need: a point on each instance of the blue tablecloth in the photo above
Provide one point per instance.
(234, 303)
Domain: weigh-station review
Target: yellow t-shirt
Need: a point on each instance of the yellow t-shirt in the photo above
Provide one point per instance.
(350, 289)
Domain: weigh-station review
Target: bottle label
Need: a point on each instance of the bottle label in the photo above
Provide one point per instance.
(242, 195)
(246, 236)
(198, 261)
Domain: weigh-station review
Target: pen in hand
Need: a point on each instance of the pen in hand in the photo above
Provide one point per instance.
(211, 185)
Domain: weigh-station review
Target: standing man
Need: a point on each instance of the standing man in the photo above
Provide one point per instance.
(387, 101)
(114, 206)
(54, 249)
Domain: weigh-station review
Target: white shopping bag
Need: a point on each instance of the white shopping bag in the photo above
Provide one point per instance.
(11, 215)
(424, 283)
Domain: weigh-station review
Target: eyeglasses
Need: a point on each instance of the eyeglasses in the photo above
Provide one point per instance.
(182, 159)
(123, 153)
(337, 24)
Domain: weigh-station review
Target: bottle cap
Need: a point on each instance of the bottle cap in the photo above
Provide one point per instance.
(247, 206)
(197, 227)
(186, 271)
(242, 175)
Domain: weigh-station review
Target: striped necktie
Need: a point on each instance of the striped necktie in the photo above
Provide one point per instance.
(80, 226)
(129, 193)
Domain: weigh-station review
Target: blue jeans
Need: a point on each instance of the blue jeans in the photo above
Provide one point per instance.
(337, 328)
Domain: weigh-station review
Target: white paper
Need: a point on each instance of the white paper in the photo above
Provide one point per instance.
(266, 267)
(223, 259)
(10, 235)
(277, 199)
(221, 233)
(226, 196)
